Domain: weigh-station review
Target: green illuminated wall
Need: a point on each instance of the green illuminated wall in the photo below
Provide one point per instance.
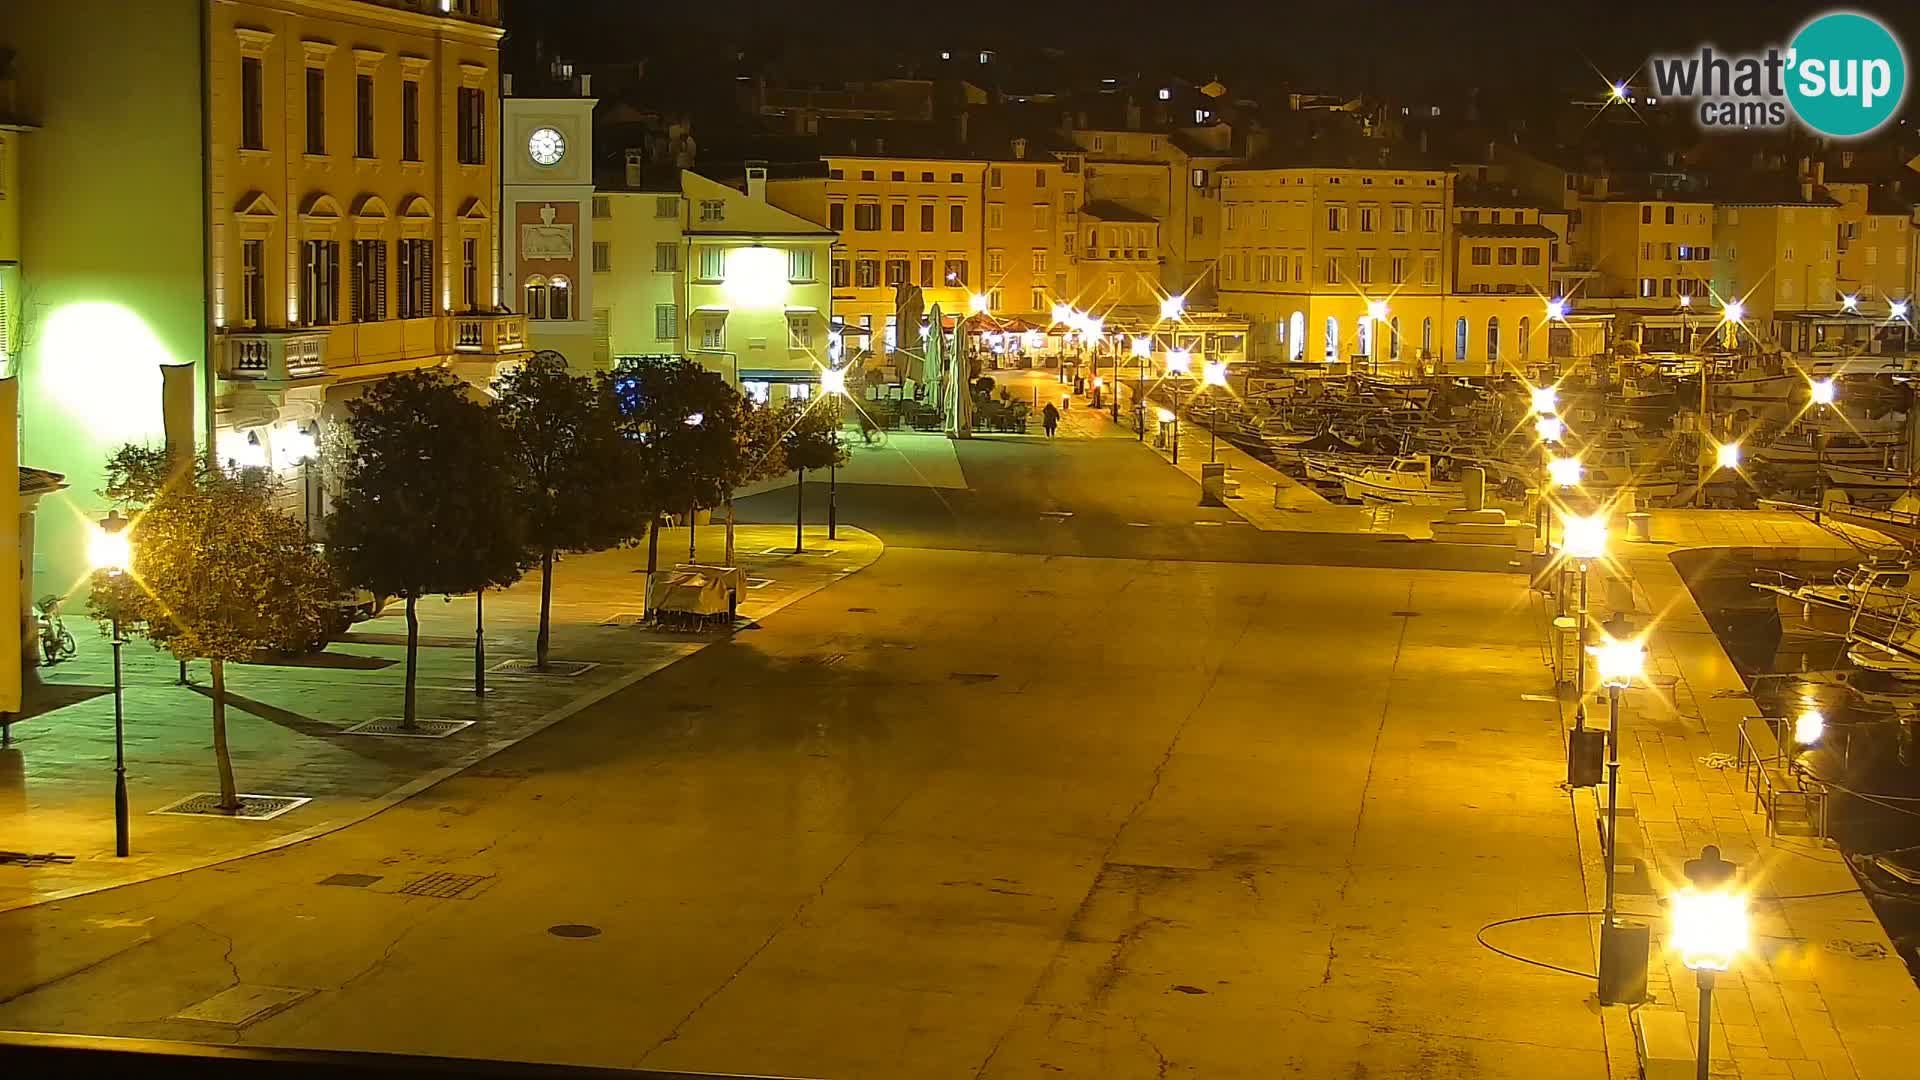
(111, 276)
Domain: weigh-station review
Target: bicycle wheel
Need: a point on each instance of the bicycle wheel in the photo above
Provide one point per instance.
(67, 647)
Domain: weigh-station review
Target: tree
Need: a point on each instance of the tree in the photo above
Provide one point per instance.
(216, 572)
(684, 422)
(572, 462)
(427, 502)
(760, 455)
(812, 441)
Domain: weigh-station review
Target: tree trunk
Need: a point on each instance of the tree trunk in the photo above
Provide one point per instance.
(799, 510)
(692, 510)
(728, 560)
(413, 654)
(229, 794)
(544, 639)
(653, 563)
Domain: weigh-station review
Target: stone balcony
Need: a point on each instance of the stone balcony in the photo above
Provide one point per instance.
(489, 334)
(276, 356)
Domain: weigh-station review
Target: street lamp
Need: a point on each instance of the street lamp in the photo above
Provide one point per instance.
(1619, 664)
(1063, 314)
(833, 384)
(1564, 472)
(111, 549)
(1727, 455)
(1583, 539)
(977, 303)
(1709, 930)
(1213, 373)
(1173, 307)
(1544, 400)
(1822, 391)
(1551, 429)
(1557, 309)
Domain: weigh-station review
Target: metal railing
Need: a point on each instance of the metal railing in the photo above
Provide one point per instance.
(1776, 785)
(34, 1054)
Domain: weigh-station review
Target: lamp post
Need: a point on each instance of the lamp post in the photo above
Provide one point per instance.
(1377, 316)
(1142, 351)
(1213, 373)
(1583, 539)
(111, 549)
(1179, 362)
(1709, 930)
(1823, 393)
(1620, 663)
(833, 383)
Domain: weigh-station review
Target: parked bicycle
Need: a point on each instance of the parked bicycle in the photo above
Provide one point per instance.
(56, 643)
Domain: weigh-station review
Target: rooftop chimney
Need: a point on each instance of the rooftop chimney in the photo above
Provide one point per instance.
(1019, 149)
(586, 85)
(757, 181)
(506, 84)
(636, 161)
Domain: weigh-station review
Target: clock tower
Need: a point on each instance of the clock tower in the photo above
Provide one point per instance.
(546, 203)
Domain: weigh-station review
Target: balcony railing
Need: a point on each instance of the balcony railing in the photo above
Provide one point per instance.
(491, 334)
(287, 355)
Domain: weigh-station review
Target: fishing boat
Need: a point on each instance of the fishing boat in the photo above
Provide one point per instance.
(1327, 468)
(1407, 481)
(1867, 448)
(1860, 477)
(1873, 590)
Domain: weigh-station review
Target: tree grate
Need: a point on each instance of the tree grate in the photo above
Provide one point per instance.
(443, 886)
(396, 727)
(252, 807)
(559, 668)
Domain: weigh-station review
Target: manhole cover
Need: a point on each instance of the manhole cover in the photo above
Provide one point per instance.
(1404, 614)
(443, 886)
(861, 610)
(238, 1006)
(562, 668)
(972, 676)
(252, 807)
(574, 930)
(396, 727)
(830, 659)
(351, 881)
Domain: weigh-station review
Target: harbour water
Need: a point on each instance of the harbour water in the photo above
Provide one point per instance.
(1868, 751)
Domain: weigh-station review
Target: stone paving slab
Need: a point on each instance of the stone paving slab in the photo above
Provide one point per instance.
(288, 722)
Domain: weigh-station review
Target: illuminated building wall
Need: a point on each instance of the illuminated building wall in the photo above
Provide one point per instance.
(1874, 237)
(1777, 257)
(646, 255)
(757, 294)
(547, 195)
(1648, 251)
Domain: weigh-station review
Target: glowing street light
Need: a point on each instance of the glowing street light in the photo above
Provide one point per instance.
(1564, 472)
(1377, 310)
(1850, 302)
(1166, 416)
(110, 549)
(1557, 308)
(1179, 362)
(1063, 314)
(1173, 307)
(1584, 538)
(1214, 373)
(1143, 347)
(1550, 429)
(1618, 91)
(1709, 930)
(1822, 391)
(1544, 400)
(977, 303)
(1686, 301)
(1727, 455)
(1732, 312)
(1897, 310)
(1619, 662)
(833, 383)
(833, 380)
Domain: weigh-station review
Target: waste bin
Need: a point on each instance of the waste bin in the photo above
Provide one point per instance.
(1640, 526)
(1213, 483)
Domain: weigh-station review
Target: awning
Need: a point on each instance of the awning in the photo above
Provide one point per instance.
(780, 375)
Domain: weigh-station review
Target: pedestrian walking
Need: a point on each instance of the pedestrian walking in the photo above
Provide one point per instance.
(1050, 418)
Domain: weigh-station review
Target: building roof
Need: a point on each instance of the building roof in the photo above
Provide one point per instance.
(40, 481)
(1506, 232)
(1107, 210)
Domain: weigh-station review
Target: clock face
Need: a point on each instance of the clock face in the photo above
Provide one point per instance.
(546, 146)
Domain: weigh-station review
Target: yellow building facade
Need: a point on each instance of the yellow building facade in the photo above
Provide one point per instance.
(1029, 259)
(1648, 252)
(1874, 235)
(1778, 258)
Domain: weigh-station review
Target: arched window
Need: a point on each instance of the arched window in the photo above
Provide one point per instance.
(560, 298)
(1460, 339)
(1393, 339)
(1297, 333)
(1333, 338)
(536, 304)
(1526, 337)
(1426, 337)
(1363, 336)
(1493, 340)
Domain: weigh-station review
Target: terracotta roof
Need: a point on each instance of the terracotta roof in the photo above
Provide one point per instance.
(40, 481)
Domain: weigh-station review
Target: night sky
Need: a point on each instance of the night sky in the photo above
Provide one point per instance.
(1437, 47)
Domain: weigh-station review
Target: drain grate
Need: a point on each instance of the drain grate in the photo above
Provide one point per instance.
(443, 886)
(396, 726)
(1404, 614)
(351, 881)
(240, 1005)
(252, 807)
(972, 676)
(561, 668)
(28, 858)
(574, 930)
(860, 610)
